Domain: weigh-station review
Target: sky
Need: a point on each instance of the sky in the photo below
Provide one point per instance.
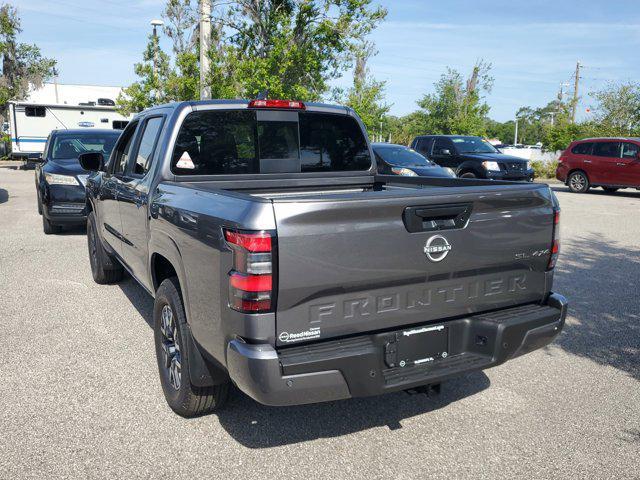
(533, 45)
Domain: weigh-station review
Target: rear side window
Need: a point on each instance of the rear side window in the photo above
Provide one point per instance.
(630, 150)
(249, 142)
(147, 145)
(123, 149)
(607, 149)
(582, 148)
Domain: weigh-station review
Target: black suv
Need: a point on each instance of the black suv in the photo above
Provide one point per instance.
(472, 157)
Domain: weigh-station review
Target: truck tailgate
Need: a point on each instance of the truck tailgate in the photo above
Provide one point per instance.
(348, 263)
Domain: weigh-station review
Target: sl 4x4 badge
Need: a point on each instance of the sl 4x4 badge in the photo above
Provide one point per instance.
(537, 253)
(437, 248)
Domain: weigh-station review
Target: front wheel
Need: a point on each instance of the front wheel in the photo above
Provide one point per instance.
(171, 333)
(578, 182)
(104, 268)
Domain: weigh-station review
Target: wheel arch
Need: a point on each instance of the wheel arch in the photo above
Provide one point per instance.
(204, 372)
(162, 268)
(470, 167)
(576, 169)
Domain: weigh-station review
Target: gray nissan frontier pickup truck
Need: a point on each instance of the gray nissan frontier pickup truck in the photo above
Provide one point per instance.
(281, 262)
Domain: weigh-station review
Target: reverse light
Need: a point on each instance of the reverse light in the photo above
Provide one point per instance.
(290, 104)
(404, 171)
(55, 179)
(251, 280)
(491, 166)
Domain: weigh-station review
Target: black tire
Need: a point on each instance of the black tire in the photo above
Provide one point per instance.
(104, 268)
(170, 331)
(610, 189)
(468, 175)
(578, 182)
(48, 228)
(39, 203)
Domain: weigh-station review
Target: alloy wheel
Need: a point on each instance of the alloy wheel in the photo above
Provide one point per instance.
(171, 346)
(578, 182)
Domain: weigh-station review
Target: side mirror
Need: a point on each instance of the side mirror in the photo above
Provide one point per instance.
(37, 159)
(91, 161)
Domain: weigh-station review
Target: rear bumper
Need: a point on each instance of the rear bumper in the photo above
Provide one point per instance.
(561, 172)
(355, 367)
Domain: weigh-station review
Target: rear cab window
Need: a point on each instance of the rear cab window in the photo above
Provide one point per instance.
(227, 142)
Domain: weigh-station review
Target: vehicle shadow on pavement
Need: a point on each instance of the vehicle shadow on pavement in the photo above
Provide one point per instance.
(4, 195)
(73, 230)
(139, 298)
(600, 279)
(256, 426)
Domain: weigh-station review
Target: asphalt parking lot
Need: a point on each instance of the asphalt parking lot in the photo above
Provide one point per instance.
(80, 397)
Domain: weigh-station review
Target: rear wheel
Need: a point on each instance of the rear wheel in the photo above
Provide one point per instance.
(468, 175)
(48, 227)
(610, 189)
(104, 268)
(578, 182)
(171, 333)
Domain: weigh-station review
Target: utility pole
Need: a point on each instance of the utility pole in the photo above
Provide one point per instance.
(574, 103)
(55, 83)
(155, 24)
(205, 45)
(515, 136)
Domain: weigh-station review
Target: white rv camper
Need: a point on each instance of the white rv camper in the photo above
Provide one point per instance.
(30, 123)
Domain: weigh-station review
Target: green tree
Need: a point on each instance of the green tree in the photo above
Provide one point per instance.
(290, 48)
(366, 96)
(458, 107)
(293, 48)
(150, 89)
(617, 108)
(503, 131)
(23, 65)
(173, 80)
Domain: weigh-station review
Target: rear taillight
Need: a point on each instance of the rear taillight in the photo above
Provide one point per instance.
(251, 280)
(290, 104)
(555, 241)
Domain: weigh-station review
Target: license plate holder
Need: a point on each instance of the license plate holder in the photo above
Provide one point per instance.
(421, 345)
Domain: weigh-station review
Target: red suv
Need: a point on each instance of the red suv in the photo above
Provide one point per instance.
(610, 163)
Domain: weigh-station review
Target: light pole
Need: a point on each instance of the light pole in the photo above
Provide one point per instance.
(155, 24)
(205, 45)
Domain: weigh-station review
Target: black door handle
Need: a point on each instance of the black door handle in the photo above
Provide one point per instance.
(436, 217)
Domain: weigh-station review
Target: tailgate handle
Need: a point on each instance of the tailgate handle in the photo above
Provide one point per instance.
(436, 217)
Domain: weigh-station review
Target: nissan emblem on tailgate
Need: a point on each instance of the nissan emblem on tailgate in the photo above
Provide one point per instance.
(436, 248)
